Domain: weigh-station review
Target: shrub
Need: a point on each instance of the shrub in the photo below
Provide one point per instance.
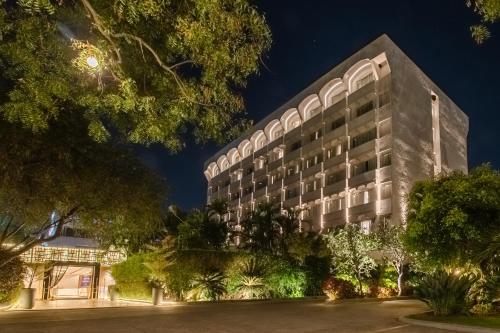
(189, 265)
(285, 279)
(11, 279)
(446, 293)
(207, 287)
(483, 293)
(378, 291)
(317, 271)
(336, 288)
(131, 278)
(248, 282)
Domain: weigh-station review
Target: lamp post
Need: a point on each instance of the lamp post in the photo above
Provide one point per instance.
(92, 62)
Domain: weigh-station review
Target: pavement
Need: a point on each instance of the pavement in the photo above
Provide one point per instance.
(311, 316)
(82, 304)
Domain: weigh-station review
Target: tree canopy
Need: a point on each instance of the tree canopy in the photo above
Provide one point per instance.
(149, 71)
(456, 217)
(489, 13)
(103, 189)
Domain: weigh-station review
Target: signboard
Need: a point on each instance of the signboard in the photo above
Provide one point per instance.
(85, 281)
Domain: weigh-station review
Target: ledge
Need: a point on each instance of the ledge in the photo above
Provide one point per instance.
(447, 326)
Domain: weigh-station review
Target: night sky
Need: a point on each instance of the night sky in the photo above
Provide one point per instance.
(312, 37)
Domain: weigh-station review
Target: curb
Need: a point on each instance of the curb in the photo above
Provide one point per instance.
(446, 326)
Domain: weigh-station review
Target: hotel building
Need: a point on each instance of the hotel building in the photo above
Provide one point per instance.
(348, 148)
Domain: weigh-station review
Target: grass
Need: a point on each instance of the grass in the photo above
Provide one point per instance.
(492, 321)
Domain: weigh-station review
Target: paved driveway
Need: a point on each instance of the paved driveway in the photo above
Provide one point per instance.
(290, 316)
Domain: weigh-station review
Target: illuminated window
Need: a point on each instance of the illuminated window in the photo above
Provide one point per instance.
(316, 135)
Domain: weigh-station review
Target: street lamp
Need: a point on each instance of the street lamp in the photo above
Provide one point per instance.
(92, 62)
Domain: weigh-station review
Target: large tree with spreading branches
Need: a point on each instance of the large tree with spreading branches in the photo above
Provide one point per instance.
(148, 71)
(62, 177)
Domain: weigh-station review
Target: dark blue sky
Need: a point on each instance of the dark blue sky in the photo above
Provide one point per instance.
(311, 37)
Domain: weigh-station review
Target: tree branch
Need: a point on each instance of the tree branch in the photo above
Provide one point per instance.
(100, 26)
(108, 34)
(5, 232)
(20, 249)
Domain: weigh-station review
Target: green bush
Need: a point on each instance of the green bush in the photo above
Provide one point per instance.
(483, 294)
(11, 280)
(384, 282)
(317, 270)
(131, 278)
(336, 288)
(285, 279)
(207, 287)
(446, 293)
(246, 278)
(190, 265)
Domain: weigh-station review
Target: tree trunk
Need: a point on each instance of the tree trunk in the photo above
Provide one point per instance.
(400, 281)
(358, 277)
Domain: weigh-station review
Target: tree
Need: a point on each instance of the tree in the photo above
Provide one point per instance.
(259, 228)
(391, 242)
(266, 228)
(489, 13)
(454, 218)
(149, 71)
(351, 249)
(62, 177)
(201, 231)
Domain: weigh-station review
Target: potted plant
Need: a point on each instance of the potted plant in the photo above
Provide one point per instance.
(27, 294)
(113, 293)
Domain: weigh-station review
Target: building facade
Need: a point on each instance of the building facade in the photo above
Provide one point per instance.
(348, 148)
(70, 267)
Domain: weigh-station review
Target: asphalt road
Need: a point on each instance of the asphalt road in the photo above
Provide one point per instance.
(288, 316)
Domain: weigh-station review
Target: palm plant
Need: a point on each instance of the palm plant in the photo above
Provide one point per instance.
(217, 209)
(261, 230)
(251, 280)
(207, 287)
(252, 287)
(446, 293)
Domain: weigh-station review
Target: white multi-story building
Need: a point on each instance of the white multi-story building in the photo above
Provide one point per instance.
(348, 148)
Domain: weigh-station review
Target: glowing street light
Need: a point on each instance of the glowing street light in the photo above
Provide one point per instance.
(92, 62)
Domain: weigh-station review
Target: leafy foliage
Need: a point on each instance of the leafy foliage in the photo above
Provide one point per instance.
(285, 279)
(131, 278)
(351, 250)
(268, 228)
(446, 293)
(158, 69)
(489, 12)
(11, 279)
(200, 232)
(207, 287)
(250, 279)
(394, 250)
(336, 288)
(99, 188)
(453, 219)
